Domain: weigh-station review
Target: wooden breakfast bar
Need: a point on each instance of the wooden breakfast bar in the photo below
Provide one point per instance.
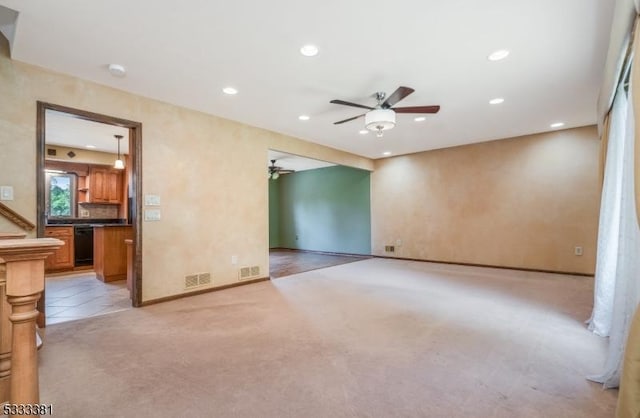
(110, 251)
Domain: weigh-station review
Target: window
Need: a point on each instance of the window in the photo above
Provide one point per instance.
(61, 195)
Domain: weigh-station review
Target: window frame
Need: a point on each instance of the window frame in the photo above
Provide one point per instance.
(73, 182)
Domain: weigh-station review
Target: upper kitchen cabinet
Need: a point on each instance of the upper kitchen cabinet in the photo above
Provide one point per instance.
(105, 185)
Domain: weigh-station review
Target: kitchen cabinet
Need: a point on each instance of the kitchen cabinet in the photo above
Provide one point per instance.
(110, 251)
(62, 258)
(105, 185)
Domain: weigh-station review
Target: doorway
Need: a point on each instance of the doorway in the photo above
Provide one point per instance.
(319, 214)
(131, 207)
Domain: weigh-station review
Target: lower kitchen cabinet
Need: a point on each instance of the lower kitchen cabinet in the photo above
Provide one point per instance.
(62, 258)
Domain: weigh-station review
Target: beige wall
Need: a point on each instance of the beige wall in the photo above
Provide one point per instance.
(524, 202)
(208, 171)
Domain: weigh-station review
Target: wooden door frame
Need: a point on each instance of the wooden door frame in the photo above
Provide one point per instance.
(135, 154)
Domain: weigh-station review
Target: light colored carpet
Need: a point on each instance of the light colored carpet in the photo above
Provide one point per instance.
(374, 338)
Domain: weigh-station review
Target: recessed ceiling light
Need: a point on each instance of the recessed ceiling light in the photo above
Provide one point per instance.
(497, 100)
(557, 125)
(303, 117)
(90, 146)
(117, 70)
(309, 50)
(363, 132)
(229, 90)
(498, 55)
(386, 153)
(420, 119)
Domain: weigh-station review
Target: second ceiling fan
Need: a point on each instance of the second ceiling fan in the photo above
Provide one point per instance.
(275, 171)
(383, 116)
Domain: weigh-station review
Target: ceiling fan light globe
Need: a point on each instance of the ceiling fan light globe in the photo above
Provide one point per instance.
(380, 120)
(275, 175)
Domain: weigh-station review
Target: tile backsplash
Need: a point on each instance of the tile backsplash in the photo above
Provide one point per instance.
(97, 211)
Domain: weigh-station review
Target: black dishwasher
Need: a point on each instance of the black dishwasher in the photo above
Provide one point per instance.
(83, 245)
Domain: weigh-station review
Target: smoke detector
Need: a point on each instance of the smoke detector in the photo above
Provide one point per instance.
(117, 70)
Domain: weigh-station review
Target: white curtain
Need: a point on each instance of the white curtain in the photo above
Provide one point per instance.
(609, 226)
(617, 288)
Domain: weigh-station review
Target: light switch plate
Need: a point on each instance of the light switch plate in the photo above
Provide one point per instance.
(151, 200)
(152, 214)
(6, 193)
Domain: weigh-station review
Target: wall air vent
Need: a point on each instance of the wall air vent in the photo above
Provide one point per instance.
(204, 278)
(247, 273)
(191, 281)
(198, 279)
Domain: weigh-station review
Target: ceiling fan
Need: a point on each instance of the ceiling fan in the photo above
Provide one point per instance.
(383, 117)
(275, 171)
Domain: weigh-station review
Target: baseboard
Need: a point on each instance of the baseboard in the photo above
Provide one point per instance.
(322, 252)
(201, 291)
(572, 273)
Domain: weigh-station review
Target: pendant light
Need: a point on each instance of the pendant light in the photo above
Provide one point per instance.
(119, 164)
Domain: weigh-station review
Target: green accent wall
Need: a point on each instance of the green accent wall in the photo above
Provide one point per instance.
(326, 209)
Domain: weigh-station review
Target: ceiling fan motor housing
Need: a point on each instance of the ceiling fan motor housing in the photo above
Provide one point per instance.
(380, 119)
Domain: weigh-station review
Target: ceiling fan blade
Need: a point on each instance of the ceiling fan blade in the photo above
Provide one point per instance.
(348, 120)
(417, 109)
(397, 95)
(342, 102)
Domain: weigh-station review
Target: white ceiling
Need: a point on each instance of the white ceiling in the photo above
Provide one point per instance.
(295, 162)
(185, 53)
(67, 130)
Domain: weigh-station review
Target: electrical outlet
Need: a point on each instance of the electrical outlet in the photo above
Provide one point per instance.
(389, 248)
(6, 193)
(234, 259)
(577, 250)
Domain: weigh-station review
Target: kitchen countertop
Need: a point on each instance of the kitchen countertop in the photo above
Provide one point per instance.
(85, 221)
(110, 225)
(95, 225)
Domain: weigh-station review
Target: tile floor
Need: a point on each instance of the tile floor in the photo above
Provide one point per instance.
(79, 296)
